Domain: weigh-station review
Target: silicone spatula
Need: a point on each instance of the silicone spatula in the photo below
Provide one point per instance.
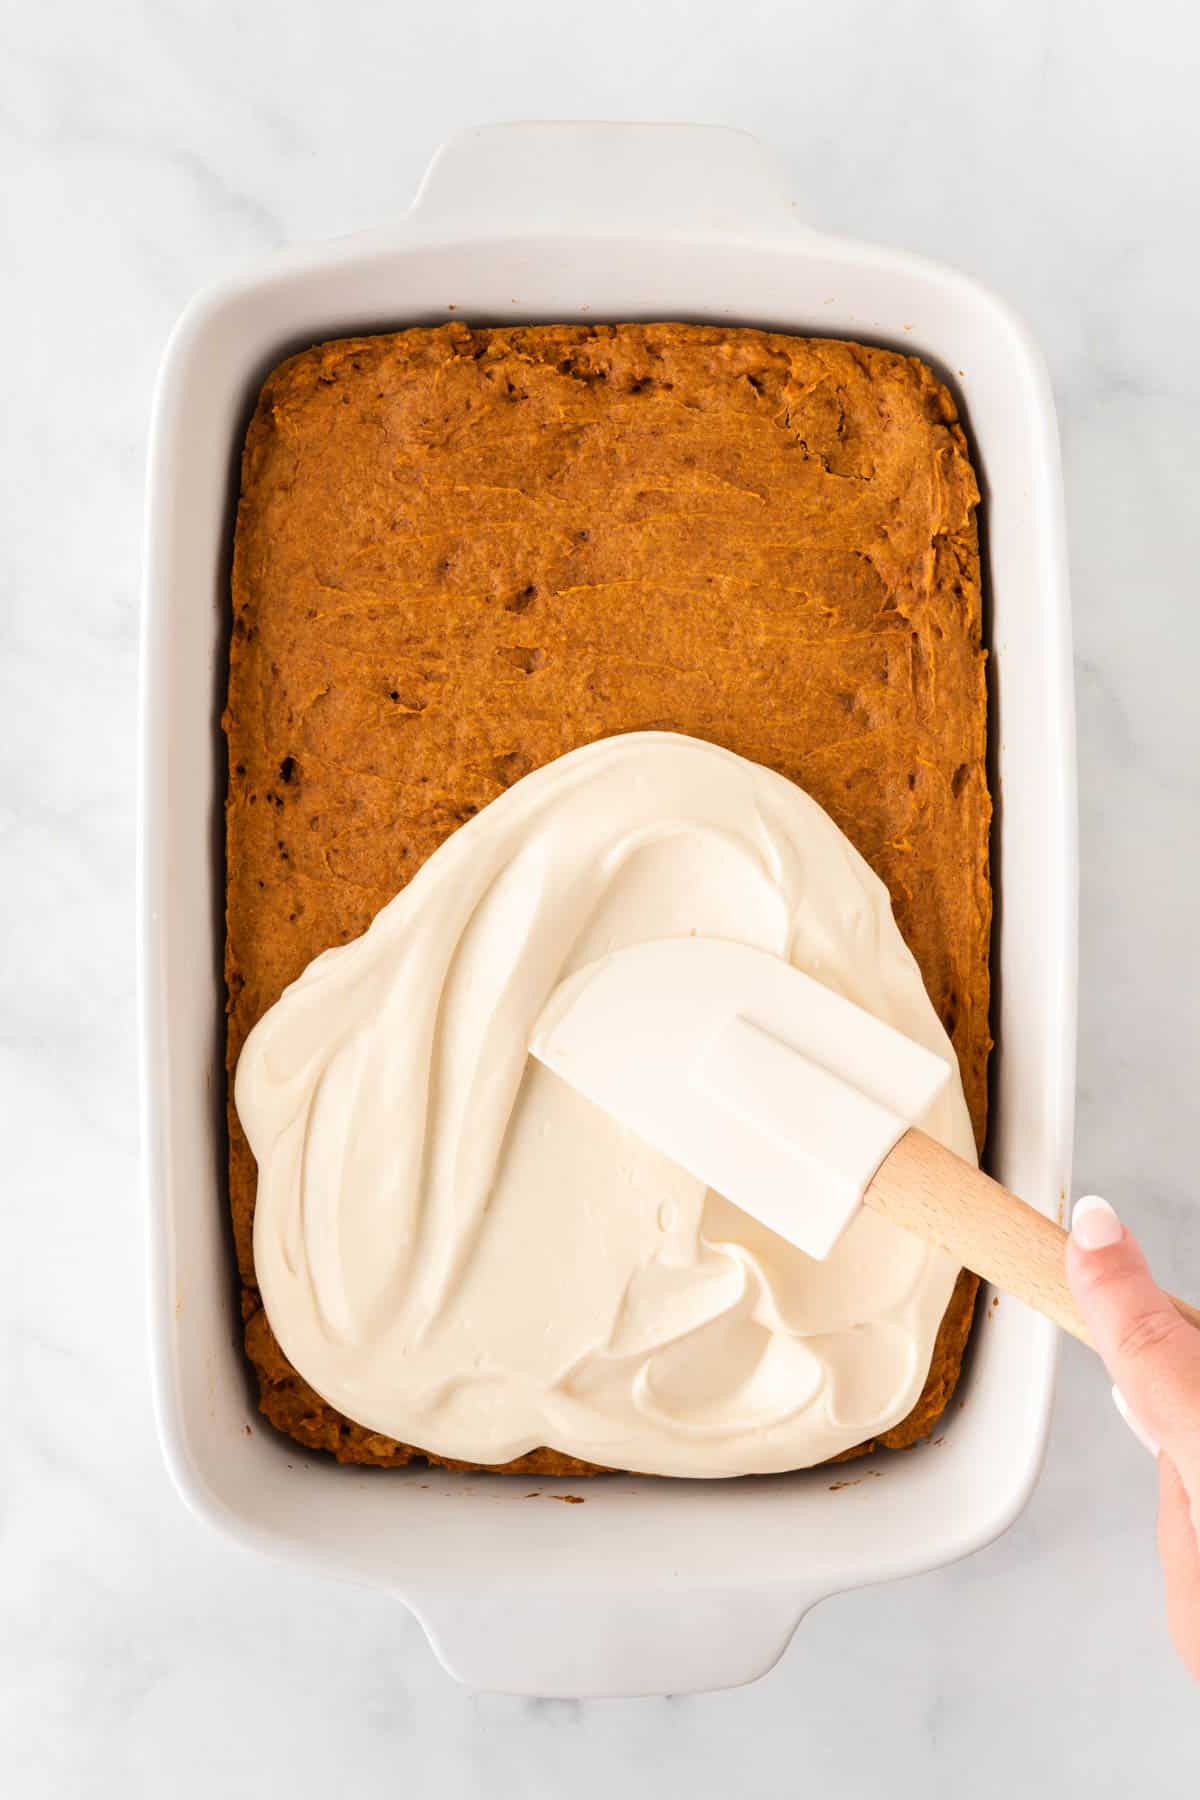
(795, 1104)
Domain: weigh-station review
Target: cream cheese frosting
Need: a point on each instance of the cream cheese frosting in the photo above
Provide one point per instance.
(457, 1250)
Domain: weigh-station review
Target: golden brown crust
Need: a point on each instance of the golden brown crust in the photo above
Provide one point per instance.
(463, 553)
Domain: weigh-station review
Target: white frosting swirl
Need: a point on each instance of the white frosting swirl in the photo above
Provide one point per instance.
(459, 1251)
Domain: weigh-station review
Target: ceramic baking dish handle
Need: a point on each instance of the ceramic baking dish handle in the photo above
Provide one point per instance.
(596, 1644)
(599, 179)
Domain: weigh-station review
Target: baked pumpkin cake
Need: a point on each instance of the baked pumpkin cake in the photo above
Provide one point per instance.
(462, 553)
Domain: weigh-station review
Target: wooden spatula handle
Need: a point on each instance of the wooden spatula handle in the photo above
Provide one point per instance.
(949, 1202)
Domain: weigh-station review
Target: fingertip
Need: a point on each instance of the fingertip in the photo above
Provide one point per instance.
(1134, 1423)
(1094, 1224)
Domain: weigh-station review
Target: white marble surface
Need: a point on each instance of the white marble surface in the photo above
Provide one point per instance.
(1053, 149)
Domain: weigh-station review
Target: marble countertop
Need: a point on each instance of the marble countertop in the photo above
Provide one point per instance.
(1052, 149)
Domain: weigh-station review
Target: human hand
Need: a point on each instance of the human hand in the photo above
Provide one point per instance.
(1153, 1356)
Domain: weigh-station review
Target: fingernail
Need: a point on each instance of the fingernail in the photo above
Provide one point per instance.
(1094, 1224)
(1139, 1430)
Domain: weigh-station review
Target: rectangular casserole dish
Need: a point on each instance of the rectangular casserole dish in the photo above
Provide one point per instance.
(652, 1586)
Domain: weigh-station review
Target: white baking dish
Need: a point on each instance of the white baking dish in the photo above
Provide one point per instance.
(651, 1586)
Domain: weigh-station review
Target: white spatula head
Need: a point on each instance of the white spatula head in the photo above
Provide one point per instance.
(766, 1086)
